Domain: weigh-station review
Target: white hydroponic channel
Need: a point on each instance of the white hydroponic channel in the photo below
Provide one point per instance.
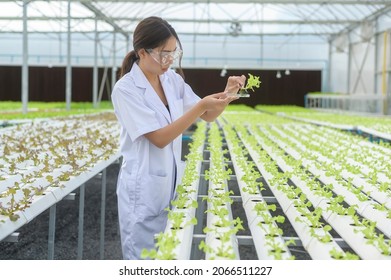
(43, 161)
(332, 187)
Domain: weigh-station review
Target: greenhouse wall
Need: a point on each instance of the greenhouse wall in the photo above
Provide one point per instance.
(360, 59)
(48, 84)
(200, 51)
(338, 78)
(362, 65)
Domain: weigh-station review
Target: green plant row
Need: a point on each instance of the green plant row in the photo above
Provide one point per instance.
(283, 137)
(11, 110)
(40, 155)
(181, 214)
(309, 226)
(376, 123)
(251, 188)
(338, 197)
(221, 228)
(368, 165)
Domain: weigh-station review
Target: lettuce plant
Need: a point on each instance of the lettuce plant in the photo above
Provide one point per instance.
(338, 255)
(166, 242)
(225, 249)
(50, 145)
(252, 82)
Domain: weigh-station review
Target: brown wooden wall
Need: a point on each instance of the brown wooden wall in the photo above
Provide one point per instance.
(48, 84)
(288, 90)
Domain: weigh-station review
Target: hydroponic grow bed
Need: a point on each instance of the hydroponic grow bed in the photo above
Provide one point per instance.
(255, 186)
(331, 187)
(43, 161)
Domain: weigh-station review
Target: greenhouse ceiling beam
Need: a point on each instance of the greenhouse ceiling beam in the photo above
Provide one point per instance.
(105, 18)
(305, 2)
(258, 34)
(369, 18)
(190, 33)
(319, 21)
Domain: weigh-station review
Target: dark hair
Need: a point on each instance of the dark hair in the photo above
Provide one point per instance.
(150, 33)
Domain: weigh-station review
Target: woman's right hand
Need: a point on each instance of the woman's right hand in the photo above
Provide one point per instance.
(217, 101)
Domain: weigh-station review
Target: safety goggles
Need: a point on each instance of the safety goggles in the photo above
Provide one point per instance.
(164, 58)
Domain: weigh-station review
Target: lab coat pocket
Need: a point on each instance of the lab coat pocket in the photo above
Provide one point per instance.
(155, 194)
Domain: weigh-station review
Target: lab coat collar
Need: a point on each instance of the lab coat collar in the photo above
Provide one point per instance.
(150, 95)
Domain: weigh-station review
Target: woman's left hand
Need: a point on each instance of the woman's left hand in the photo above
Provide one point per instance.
(235, 83)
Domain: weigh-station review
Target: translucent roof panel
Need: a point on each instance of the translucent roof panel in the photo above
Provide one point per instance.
(215, 18)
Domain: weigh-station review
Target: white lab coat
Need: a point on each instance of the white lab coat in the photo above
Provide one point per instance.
(146, 181)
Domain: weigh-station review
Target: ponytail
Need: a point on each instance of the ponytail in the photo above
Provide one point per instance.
(127, 63)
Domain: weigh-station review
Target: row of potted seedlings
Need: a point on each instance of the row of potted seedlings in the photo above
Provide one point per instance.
(356, 165)
(221, 229)
(266, 234)
(368, 214)
(176, 240)
(312, 231)
(376, 125)
(326, 190)
(372, 160)
(333, 210)
(325, 193)
(43, 161)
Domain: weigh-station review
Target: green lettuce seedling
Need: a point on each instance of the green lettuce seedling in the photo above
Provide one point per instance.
(252, 81)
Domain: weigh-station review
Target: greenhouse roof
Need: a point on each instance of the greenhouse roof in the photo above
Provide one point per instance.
(215, 18)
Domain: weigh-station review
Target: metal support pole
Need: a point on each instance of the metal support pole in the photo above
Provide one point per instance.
(95, 69)
(330, 66)
(25, 69)
(52, 231)
(81, 223)
(114, 66)
(68, 74)
(384, 75)
(102, 216)
(349, 68)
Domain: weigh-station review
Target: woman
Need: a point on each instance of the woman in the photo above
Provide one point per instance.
(154, 106)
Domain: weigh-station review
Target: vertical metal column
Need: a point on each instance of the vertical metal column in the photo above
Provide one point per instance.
(194, 37)
(95, 69)
(52, 231)
(25, 69)
(330, 67)
(350, 48)
(80, 238)
(384, 74)
(127, 44)
(102, 216)
(68, 75)
(377, 56)
(114, 66)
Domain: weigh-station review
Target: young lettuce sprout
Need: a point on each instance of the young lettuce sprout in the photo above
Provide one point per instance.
(337, 255)
(252, 81)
